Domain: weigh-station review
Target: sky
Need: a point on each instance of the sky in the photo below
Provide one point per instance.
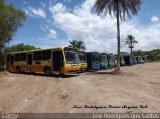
(53, 23)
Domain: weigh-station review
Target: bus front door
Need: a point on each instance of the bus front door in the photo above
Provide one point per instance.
(29, 62)
(57, 60)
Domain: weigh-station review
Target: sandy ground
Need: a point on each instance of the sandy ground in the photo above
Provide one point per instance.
(136, 85)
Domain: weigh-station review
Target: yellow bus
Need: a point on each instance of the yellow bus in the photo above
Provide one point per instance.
(82, 60)
(60, 60)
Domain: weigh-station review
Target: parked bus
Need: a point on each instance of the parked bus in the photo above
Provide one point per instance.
(93, 60)
(82, 60)
(134, 59)
(60, 60)
(145, 59)
(122, 62)
(104, 61)
(111, 60)
(128, 59)
(139, 60)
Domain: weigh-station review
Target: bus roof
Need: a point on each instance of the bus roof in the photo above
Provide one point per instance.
(103, 53)
(37, 50)
(92, 52)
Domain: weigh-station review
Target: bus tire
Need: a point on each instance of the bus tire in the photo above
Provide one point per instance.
(61, 74)
(78, 73)
(18, 70)
(47, 71)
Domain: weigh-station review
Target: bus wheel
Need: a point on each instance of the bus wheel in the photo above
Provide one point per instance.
(18, 70)
(47, 71)
(78, 73)
(61, 74)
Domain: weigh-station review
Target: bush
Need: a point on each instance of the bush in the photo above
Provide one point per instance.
(2, 68)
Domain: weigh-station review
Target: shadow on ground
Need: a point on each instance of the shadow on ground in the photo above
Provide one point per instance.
(52, 75)
(106, 72)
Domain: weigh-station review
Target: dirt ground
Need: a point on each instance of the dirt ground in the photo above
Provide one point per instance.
(35, 93)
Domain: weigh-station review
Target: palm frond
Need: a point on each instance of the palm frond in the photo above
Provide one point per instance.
(126, 7)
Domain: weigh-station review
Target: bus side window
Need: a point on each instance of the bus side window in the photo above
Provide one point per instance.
(17, 57)
(37, 55)
(23, 56)
(46, 55)
(12, 60)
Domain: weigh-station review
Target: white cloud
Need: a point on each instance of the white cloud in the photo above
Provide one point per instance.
(52, 34)
(36, 12)
(58, 8)
(99, 33)
(154, 19)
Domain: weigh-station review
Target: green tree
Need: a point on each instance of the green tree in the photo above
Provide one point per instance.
(140, 53)
(120, 8)
(10, 20)
(131, 41)
(79, 45)
(17, 48)
(153, 55)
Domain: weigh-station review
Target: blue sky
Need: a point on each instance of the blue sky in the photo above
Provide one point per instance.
(52, 23)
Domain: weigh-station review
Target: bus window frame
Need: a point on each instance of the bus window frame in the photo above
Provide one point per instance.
(48, 58)
(36, 59)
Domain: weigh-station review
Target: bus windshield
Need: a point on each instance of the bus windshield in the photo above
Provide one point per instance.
(103, 58)
(95, 57)
(71, 57)
(82, 58)
(111, 58)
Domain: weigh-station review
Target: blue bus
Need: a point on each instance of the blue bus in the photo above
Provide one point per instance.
(111, 60)
(145, 59)
(134, 59)
(104, 61)
(93, 60)
(138, 58)
(128, 59)
(122, 62)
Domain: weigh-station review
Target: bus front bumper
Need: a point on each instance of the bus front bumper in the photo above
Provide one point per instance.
(71, 69)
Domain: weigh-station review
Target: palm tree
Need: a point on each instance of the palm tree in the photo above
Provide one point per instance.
(73, 43)
(79, 45)
(130, 41)
(120, 8)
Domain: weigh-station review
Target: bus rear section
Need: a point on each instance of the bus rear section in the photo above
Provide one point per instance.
(104, 61)
(16, 62)
(82, 61)
(93, 60)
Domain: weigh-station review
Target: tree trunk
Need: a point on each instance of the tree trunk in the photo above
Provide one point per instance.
(131, 51)
(131, 46)
(118, 39)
